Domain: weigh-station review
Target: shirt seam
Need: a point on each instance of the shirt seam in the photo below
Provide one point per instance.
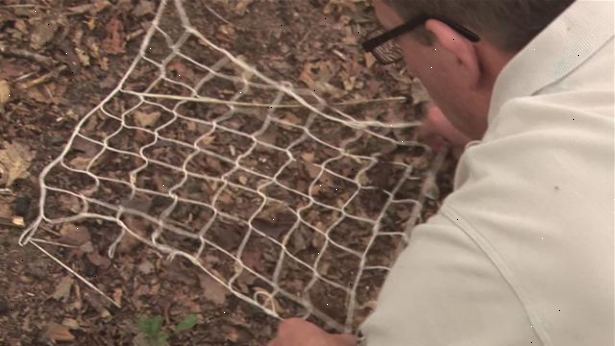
(487, 248)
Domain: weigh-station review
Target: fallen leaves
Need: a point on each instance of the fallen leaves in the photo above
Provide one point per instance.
(370, 60)
(146, 120)
(74, 235)
(62, 291)
(214, 291)
(143, 8)
(242, 7)
(115, 41)
(92, 8)
(15, 160)
(58, 333)
(43, 32)
(317, 76)
(98, 260)
(419, 92)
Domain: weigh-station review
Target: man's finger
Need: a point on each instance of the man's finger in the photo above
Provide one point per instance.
(346, 340)
(290, 325)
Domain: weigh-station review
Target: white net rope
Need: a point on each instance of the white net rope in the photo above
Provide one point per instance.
(286, 201)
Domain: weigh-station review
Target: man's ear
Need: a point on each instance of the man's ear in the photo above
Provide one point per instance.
(459, 46)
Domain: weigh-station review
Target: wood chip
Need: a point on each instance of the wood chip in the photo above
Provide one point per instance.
(16, 221)
(5, 92)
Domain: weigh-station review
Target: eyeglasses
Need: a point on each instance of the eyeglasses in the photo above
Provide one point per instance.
(380, 43)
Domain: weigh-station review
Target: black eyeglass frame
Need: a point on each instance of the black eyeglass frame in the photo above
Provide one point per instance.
(372, 43)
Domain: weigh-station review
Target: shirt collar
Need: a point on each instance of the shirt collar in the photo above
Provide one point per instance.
(566, 43)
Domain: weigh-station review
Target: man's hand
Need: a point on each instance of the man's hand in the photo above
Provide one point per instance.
(297, 332)
(436, 131)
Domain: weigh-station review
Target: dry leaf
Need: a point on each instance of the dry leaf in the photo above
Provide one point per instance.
(145, 120)
(146, 267)
(58, 332)
(214, 291)
(74, 235)
(181, 70)
(93, 9)
(70, 202)
(43, 32)
(62, 291)
(15, 160)
(370, 60)
(96, 259)
(207, 140)
(80, 162)
(242, 7)
(143, 8)
(312, 170)
(83, 56)
(308, 157)
(232, 335)
(5, 92)
(419, 93)
(117, 296)
(71, 323)
(253, 259)
(243, 180)
(116, 39)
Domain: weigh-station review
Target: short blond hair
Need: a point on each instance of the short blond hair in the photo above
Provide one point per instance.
(508, 24)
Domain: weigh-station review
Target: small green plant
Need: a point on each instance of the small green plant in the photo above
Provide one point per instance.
(152, 332)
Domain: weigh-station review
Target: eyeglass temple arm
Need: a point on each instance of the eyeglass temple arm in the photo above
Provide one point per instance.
(374, 42)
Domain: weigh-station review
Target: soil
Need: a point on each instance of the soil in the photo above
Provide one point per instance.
(60, 59)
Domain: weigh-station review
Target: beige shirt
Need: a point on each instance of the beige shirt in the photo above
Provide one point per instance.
(521, 253)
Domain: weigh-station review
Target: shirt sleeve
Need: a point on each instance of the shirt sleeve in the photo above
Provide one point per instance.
(443, 290)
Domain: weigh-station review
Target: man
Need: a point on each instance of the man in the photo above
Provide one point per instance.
(521, 253)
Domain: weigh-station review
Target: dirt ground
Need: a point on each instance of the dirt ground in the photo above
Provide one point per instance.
(59, 59)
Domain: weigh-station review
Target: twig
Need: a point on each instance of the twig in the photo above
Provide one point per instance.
(340, 54)
(45, 228)
(70, 270)
(218, 16)
(42, 79)
(134, 34)
(22, 77)
(304, 38)
(22, 6)
(22, 53)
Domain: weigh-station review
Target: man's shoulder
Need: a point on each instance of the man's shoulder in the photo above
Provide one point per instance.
(536, 195)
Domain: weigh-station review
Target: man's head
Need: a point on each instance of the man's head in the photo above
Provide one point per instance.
(458, 73)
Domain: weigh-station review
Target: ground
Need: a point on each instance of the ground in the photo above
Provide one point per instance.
(59, 59)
